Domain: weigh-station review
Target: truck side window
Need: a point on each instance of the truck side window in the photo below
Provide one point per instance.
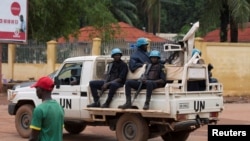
(70, 74)
(100, 70)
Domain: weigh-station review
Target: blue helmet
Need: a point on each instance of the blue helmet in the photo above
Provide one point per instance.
(196, 51)
(155, 53)
(141, 41)
(116, 51)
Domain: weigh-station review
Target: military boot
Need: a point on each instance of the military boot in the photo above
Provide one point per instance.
(127, 105)
(146, 104)
(95, 104)
(106, 104)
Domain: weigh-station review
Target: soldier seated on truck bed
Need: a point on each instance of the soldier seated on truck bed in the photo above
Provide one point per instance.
(116, 77)
(154, 77)
(140, 56)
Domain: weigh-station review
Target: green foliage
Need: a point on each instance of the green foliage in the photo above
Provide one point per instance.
(99, 16)
(149, 13)
(51, 19)
(182, 15)
(164, 19)
(124, 10)
(237, 14)
(240, 10)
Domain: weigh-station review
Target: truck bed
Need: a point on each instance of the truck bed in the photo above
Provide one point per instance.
(165, 102)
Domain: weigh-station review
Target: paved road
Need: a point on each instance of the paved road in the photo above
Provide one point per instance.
(234, 113)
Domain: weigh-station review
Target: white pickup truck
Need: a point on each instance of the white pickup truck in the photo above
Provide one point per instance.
(182, 106)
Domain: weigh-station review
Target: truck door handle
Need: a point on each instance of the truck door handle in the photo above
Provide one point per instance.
(55, 93)
(74, 93)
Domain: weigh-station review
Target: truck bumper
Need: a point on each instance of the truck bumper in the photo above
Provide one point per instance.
(190, 124)
(11, 108)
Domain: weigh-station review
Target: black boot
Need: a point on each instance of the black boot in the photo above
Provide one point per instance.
(146, 104)
(95, 104)
(127, 105)
(106, 104)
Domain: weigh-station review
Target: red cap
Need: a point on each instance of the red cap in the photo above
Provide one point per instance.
(44, 83)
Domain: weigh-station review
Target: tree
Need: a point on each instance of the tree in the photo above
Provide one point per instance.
(181, 15)
(98, 15)
(235, 13)
(239, 15)
(152, 8)
(124, 10)
(51, 19)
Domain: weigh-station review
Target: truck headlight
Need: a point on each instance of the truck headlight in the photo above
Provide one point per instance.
(11, 94)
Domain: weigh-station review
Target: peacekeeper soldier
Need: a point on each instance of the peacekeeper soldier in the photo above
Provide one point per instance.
(116, 77)
(140, 56)
(154, 77)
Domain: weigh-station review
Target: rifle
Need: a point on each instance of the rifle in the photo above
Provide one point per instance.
(140, 85)
(107, 77)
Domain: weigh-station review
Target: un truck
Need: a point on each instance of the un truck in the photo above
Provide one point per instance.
(187, 102)
(182, 106)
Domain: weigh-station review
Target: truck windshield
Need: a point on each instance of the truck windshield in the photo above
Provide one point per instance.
(101, 68)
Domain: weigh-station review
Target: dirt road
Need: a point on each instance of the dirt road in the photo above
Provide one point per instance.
(234, 113)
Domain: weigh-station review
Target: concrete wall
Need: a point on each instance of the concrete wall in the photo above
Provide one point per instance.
(27, 71)
(231, 65)
(23, 72)
(230, 60)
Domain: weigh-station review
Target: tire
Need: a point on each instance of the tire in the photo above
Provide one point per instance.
(132, 127)
(74, 127)
(176, 136)
(23, 119)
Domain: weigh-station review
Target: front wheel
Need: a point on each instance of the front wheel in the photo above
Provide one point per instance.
(74, 127)
(23, 119)
(176, 136)
(132, 127)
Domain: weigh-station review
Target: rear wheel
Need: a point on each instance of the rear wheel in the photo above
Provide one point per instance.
(176, 136)
(74, 127)
(132, 127)
(23, 119)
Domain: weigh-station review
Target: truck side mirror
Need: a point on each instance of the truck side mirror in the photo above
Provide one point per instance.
(57, 82)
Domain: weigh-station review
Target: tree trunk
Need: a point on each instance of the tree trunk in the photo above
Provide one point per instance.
(234, 31)
(224, 19)
(154, 18)
(150, 23)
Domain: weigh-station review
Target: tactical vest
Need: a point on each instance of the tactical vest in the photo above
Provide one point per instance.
(154, 72)
(115, 71)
